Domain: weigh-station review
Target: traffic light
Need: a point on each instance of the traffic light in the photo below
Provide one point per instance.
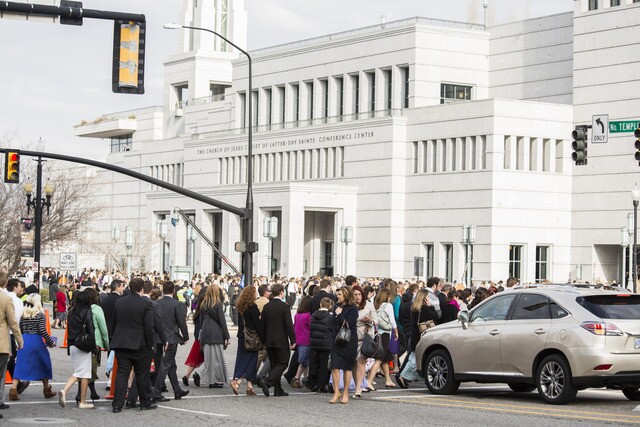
(12, 167)
(636, 133)
(579, 145)
(128, 57)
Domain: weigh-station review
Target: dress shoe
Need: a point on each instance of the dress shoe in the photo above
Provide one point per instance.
(22, 386)
(216, 385)
(159, 398)
(185, 381)
(131, 405)
(149, 407)
(180, 394)
(164, 389)
(263, 385)
(196, 379)
(4, 406)
(116, 410)
(280, 393)
(13, 394)
(307, 383)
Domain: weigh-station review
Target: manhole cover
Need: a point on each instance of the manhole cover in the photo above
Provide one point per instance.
(48, 421)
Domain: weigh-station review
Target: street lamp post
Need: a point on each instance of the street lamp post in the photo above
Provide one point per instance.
(38, 203)
(346, 237)
(624, 241)
(635, 196)
(270, 232)
(248, 211)
(162, 232)
(128, 242)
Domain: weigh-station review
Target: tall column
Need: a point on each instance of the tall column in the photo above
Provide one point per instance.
(292, 237)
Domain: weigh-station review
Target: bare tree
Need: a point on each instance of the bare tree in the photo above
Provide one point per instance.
(66, 221)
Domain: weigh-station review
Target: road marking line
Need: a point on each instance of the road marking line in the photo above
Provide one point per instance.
(547, 412)
(192, 411)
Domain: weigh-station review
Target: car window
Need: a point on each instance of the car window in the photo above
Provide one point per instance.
(531, 306)
(621, 306)
(557, 312)
(494, 309)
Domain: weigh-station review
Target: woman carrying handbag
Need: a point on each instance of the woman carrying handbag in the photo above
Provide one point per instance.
(423, 317)
(82, 344)
(344, 348)
(367, 321)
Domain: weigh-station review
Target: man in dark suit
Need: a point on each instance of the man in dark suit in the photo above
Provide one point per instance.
(281, 338)
(174, 319)
(160, 341)
(132, 341)
(325, 292)
(109, 304)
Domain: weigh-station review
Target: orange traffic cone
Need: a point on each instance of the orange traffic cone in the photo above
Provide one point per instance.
(7, 378)
(48, 322)
(66, 332)
(114, 372)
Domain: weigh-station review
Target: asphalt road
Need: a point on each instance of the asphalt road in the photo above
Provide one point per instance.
(474, 405)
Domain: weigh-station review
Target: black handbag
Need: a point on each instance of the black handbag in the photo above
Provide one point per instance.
(372, 346)
(85, 341)
(344, 334)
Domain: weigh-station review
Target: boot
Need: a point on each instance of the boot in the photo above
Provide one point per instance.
(13, 394)
(48, 392)
(94, 393)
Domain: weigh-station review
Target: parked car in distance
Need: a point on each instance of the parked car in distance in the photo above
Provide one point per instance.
(557, 338)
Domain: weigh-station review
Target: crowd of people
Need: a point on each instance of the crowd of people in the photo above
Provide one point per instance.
(348, 337)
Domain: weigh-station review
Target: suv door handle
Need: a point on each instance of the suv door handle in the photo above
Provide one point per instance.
(494, 332)
(539, 331)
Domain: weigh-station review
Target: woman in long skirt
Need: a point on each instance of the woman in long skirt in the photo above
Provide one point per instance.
(214, 337)
(33, 362)
(247, 361)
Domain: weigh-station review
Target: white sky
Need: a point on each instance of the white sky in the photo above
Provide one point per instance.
(56, 75)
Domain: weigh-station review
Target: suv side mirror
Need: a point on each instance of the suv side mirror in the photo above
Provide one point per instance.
(463, 317)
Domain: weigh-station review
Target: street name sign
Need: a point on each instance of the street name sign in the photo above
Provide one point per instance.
(623, 126)
(600, 128)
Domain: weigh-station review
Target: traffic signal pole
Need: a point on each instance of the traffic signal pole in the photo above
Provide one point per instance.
(68, 13)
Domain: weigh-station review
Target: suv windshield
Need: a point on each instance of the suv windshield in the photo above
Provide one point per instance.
(622, 306)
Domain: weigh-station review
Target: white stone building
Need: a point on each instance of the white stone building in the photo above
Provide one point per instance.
(405, 131)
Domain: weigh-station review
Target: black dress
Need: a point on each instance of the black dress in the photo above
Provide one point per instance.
(247, 361)
(344, 356)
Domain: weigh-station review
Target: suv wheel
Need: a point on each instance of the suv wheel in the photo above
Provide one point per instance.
(521, 387)
(438, 371)
(631, 393)
(554, 380)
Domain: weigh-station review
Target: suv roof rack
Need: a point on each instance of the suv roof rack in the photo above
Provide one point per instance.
(571, 287)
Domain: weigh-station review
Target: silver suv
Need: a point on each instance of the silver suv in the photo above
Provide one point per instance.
(556, 338)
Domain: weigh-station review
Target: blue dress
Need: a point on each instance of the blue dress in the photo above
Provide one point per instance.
(344, 356)
(33, 362)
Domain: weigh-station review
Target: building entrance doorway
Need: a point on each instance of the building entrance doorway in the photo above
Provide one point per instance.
(319, 243)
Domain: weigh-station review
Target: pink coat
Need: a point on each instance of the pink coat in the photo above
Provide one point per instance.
(302, 327)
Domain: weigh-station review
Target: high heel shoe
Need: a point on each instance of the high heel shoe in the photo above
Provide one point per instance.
(95, 397)
(77, 400)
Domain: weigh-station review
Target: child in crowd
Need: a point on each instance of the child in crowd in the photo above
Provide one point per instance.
(321, 333)
(302, 327)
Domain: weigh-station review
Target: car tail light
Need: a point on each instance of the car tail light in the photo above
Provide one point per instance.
(602, 367)
(602, 328)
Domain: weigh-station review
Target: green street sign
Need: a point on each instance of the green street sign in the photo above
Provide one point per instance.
(624, 126)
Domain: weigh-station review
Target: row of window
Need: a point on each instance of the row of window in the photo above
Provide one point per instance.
(450, 155)
(532, 154)
(348, 94)
(424, 266)
(173, 174)
(596, 4)
(318, 163)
